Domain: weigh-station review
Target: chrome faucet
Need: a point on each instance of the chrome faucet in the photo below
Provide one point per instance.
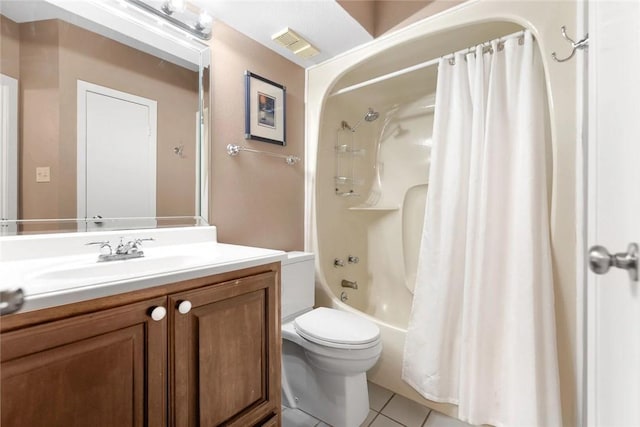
(349, 284)
(131, 247)
(128, 250)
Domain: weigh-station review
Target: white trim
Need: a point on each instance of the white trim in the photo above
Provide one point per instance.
(591, 398)
(8, 148)
(202, 166)
(582, 141)
(430, 63)
(83, 89)
(137, 28)
(198, 151)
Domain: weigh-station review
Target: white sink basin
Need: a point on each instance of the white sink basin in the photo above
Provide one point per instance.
(61, 269)
(98, 272)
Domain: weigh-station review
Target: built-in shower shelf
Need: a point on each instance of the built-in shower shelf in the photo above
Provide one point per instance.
(430, 109)
(342, 180)
(381, 208)
(345, 149)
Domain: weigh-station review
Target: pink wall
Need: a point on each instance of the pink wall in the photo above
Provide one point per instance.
(255, 200)
(9, 48)
(53, 56)
(381, 16)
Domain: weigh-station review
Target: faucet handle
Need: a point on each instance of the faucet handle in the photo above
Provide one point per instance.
(138, 242)
(104, 244)
(122, 247)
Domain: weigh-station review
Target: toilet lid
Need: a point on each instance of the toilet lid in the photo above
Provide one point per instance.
(329, 326)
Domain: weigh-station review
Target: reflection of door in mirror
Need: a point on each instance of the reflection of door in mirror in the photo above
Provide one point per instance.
(116, 154)
(49, 57)
(8, 147)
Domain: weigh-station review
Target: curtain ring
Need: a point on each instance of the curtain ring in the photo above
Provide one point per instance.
(452, 61)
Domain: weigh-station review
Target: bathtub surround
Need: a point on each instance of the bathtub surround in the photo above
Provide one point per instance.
(482, 328)
(374, 235)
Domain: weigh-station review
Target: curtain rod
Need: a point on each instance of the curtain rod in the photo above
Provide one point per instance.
(416, 67)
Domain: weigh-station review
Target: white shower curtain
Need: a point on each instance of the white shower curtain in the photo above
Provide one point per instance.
(482, 328)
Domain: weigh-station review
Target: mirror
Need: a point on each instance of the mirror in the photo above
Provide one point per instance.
(104, 118)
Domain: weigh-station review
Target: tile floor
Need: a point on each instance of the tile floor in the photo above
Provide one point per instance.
(387, 409)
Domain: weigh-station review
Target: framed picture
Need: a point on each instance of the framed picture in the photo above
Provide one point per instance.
(264, 109)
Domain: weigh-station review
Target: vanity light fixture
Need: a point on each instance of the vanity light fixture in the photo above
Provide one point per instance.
(195, 22)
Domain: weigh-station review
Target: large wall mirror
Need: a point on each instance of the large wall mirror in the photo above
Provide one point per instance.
(104, 115)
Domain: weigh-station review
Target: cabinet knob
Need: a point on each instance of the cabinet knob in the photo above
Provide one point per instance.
(158, 313)
(184, 306)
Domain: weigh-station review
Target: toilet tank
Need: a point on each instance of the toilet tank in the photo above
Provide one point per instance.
(297, 283)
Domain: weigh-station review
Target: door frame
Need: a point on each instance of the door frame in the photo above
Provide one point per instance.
(583, 196)
(9, 148)
(592, 284)
(81, 174)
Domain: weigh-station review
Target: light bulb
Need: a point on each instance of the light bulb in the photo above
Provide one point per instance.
(171, 6)
(204, 21)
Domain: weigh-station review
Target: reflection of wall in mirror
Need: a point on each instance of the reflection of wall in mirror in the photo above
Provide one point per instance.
(48, 57)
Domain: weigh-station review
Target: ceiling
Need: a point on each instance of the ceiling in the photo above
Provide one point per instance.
(323, 23)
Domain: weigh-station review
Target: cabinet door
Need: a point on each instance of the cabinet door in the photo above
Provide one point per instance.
(102, 369)
(226, 353)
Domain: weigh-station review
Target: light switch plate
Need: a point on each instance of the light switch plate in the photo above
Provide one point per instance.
(43, 174)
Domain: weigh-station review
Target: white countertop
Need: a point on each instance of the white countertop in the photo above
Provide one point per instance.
(60, 269)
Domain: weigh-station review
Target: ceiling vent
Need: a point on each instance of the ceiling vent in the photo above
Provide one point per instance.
(296, 44)
(307, 52)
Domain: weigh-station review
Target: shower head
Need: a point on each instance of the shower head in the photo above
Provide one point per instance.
(369, 117)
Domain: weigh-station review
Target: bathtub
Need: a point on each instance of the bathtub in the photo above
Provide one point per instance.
(375, 211)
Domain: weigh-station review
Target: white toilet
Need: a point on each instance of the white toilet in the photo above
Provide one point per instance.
(325, 352)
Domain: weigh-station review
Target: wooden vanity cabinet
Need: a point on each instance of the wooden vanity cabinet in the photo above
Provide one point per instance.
(101, 369)
(212, 361)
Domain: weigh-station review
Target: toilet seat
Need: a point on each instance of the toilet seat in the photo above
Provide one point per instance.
(337, 329)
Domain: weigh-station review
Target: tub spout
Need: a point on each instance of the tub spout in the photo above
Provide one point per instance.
(349, 284)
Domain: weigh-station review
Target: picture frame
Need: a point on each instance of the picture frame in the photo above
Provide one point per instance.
(265, 103)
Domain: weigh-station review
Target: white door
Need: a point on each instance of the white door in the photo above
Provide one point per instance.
(8, 148)
(116, 154)
(613, 299)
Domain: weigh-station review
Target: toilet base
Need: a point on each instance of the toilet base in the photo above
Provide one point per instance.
(338, 400)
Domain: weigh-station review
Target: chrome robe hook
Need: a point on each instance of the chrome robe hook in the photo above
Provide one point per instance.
(582, 44)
